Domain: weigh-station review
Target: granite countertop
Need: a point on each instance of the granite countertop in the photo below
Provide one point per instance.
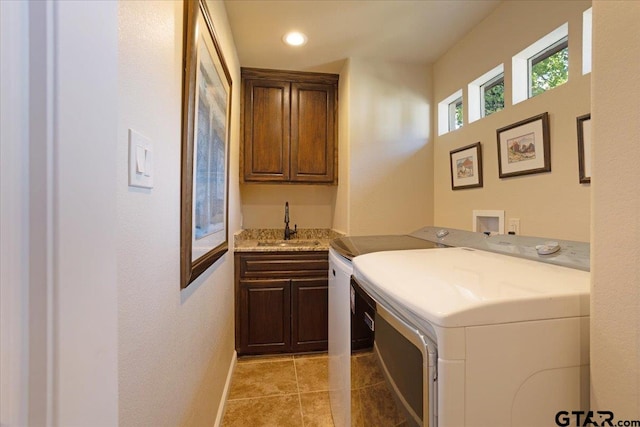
(272, 239)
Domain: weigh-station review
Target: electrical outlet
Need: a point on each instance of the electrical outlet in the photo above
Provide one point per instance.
(514, 225)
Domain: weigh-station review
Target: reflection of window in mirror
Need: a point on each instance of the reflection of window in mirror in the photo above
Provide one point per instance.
(586, 41)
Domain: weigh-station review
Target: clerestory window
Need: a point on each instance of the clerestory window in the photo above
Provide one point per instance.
(549, 68)
(542, 66)
(492, 95)
(455, 114)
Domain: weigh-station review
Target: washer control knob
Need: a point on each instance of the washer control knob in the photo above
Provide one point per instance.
(548, 248)
(441, 233)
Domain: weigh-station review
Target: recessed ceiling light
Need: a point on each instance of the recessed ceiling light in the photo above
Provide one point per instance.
(294, 38)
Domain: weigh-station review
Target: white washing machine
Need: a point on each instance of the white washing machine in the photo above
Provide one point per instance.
(348, 321)
(504, 339)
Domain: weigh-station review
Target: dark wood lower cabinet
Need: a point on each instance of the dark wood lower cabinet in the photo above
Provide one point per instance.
(281, 302)
(265, 328)
(309, 314)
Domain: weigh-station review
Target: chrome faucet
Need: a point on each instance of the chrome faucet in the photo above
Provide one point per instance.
(287, 231)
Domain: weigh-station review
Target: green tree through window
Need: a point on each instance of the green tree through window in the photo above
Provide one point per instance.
(459, 114)
(551, 69)
(493, 96)
(455, 114)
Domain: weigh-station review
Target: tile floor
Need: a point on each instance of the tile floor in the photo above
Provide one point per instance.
(293, 390)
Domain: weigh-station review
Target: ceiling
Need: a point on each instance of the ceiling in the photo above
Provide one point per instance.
(406, 31)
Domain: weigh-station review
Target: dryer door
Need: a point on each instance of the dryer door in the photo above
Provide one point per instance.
(409, 360)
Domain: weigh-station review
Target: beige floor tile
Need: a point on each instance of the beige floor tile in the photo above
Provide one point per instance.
(378, 406)
(276, 411)
(313, 373)
(365, 370)
(356, 412)
(316, 409)
(280, 391)
(263, 379)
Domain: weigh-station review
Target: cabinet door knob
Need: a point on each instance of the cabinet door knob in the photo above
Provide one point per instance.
(334, 273)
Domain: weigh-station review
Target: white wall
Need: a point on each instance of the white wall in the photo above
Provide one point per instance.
(390, 153)
(310, 206)
(615, 256)
(14, 213)
(551, 204)
(65, 163)
(175, 347)
(85, 300)
(341, 201)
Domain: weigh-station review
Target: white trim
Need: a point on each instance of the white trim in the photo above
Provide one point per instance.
(443, 112)
(520, 62)
(14, 214)
(41, 219)
(225, 392)
(85, 213)
(474, 93)
(586, 40)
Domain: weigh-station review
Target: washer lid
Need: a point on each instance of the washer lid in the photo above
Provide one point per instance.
(465, 287)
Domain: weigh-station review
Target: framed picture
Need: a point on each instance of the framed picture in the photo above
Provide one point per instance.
(466, 167)
(584, 148)
(206, 107)
(524, 147)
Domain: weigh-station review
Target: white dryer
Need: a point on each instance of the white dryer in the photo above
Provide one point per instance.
(510, 335)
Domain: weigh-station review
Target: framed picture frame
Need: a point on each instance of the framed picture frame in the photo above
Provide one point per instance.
(466, 167)
(584, 148)
(206, 110)
(524, 147)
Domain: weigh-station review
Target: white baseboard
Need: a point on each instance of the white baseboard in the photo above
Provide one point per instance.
(225, 392)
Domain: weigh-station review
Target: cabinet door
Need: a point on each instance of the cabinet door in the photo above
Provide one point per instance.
(266, 130)
(313, 132)
(310, 307)
(265, 316)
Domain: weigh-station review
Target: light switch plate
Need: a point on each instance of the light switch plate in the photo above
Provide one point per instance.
(140, 160)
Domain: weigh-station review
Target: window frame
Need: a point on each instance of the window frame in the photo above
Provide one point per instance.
(443, 112)
(475, 97)
(452, 113)
(520, 62)
(488, 85)
(544, 54)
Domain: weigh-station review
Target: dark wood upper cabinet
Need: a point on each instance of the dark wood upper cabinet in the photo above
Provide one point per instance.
(266, 156)
(289, 127)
